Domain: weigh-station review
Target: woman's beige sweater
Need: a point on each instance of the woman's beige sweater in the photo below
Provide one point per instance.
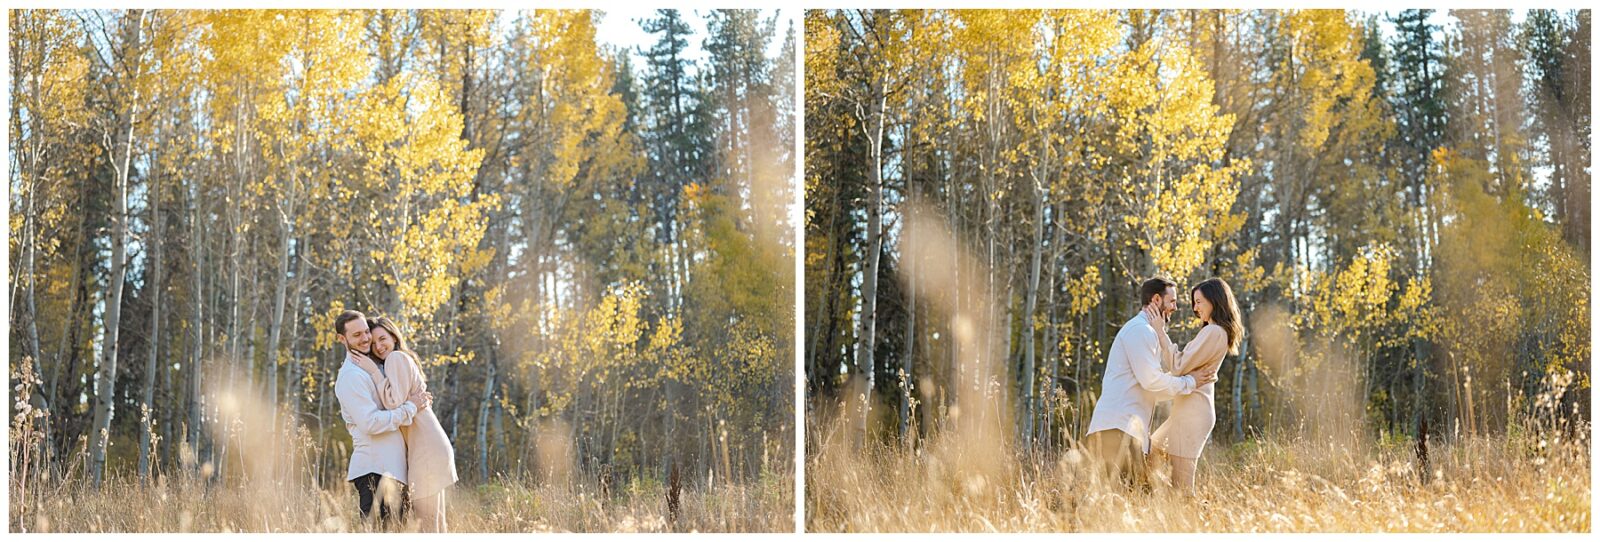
(430, 460)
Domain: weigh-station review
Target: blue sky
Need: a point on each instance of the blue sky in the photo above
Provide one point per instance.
(620, 27)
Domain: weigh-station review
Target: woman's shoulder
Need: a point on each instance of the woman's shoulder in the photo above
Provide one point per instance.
(1213, 332)
(398, 356)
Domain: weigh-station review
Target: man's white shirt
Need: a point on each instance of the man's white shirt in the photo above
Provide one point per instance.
(1134, 381)
(378, 446)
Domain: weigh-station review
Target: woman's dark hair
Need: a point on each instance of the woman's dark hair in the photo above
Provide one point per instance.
(1224, 310)
(399, 339)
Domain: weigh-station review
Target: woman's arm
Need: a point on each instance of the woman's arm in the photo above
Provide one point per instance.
(1207, 348)
(1144, 358)
(386, 398)
(1169, 353)
(360, 411)
(404, 372)
(390, 382)
(1166, 351)
(419, 381)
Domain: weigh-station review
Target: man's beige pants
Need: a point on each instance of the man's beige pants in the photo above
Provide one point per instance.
(1117, 454)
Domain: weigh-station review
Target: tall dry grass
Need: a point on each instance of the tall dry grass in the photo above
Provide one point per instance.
(271, 484)
(1275, 484)
(124, 505)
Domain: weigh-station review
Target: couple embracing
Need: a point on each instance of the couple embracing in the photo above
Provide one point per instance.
(1144, 367)
(401, 458)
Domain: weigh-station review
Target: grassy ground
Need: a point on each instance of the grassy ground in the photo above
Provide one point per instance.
(500, 507)
(268, 488)
(505, 506)
(1268, 485)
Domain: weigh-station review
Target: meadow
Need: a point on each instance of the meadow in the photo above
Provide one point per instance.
(293, 483)
(504, 506)
(1268, 484)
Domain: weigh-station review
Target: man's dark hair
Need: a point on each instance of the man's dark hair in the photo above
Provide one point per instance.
(345, 318)
(1154, 287)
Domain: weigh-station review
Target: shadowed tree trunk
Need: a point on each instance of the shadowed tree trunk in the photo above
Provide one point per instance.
(155, 266)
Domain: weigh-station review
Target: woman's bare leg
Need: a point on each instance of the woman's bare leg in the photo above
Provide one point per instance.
(444, 525)
(430, 513)
(1183, 474)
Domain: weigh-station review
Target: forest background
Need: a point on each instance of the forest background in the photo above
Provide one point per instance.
(589, 252)
(1400, 201)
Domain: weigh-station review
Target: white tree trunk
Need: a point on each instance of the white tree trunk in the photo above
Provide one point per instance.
(868, 323)
(106, 379)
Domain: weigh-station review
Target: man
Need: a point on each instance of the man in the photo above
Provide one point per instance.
(1119, 430)
(378, 457)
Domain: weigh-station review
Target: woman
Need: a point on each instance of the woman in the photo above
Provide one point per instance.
(430, 460)
(1186, 430)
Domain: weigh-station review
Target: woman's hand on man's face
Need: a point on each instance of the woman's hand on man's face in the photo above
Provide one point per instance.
(1157, 319)
(366, 364)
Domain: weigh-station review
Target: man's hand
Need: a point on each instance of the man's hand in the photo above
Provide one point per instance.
(421, 398)
(1204, 376)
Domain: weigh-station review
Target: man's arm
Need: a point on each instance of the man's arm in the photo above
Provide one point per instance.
(363, 411)
(1144, 357)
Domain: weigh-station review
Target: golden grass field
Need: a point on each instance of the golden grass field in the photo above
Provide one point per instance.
(1498, 484)
(505, 506)
(270, 488)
